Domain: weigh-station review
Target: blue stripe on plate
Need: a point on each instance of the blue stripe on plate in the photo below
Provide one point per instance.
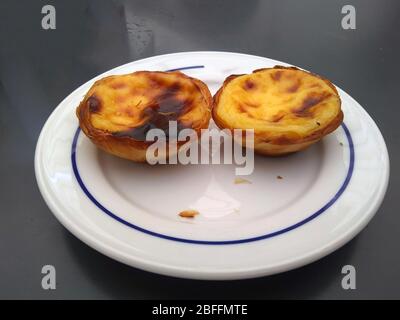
(185, 68)
(225, 242)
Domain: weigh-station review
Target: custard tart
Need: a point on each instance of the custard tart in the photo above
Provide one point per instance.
(118, 111)
(289, 109)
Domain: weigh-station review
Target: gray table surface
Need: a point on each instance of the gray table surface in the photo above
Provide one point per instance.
(39, 68)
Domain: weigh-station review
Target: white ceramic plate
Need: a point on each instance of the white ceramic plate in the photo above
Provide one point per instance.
(129, 211)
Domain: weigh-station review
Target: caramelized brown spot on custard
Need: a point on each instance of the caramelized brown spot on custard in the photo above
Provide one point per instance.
(309, 102)
(249, 85)
(244, 108)
(249, 105)
(188, 214)
(156, 81)
(276, 75)
(128, 111)
(278, 117)
(283, 140)
(118, 85)
(294, 87)
(94, 104)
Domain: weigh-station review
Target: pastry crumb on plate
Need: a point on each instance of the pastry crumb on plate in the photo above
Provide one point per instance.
(242, 181)
(188, 213)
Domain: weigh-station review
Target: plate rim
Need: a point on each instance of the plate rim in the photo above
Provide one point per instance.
(219, 274)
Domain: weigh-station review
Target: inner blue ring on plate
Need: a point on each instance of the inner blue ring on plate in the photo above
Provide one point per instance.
(224, 242)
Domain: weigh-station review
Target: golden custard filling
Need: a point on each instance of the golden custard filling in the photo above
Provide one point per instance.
(281, 104)
(137, 102)
(118, 112)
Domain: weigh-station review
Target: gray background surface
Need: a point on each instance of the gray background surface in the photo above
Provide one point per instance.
(39, 68)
